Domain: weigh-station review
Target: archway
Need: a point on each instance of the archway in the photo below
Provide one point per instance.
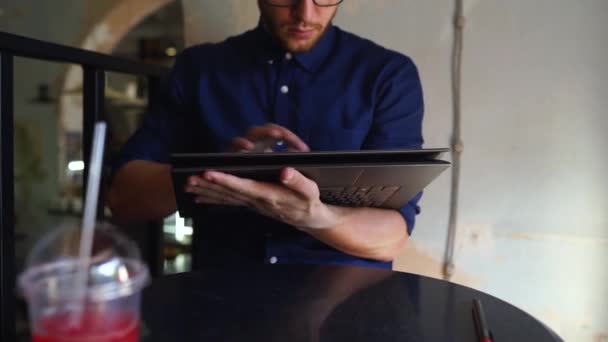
(103, 37)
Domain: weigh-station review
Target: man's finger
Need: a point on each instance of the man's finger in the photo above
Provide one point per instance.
(216, 200)
(209, 189)
(245, 188)
(297, 182)
(292, 139)
(276, 132)
(240, 144)
(258, 133)
(193, 181)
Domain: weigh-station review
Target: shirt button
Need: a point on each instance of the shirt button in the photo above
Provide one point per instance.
(284, 89)
(288, 56)
(273, 260)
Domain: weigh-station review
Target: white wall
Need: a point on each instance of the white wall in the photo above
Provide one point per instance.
(535, 103)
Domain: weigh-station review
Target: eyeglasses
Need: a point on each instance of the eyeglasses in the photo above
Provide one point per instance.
(290, 3)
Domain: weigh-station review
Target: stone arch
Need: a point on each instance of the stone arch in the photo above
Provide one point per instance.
(103, 37)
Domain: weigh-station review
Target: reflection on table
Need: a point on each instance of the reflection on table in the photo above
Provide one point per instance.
(323, 303)
(177, 244)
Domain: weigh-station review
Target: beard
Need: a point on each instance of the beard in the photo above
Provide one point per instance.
(283, 35)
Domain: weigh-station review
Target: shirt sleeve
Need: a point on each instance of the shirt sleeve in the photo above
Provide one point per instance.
(164, 126)
(397, 122)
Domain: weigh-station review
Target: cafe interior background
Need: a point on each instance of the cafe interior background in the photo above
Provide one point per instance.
(532, 218)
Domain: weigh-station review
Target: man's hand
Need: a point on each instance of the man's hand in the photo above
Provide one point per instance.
(269, 132)
(370, 233)
(294, 201)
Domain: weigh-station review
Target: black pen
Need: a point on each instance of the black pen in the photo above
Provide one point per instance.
(483, 331)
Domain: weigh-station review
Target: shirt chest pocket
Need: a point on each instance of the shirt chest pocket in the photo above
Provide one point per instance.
(334, 138)
(329, 121)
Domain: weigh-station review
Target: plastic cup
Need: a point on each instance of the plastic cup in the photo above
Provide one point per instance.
(108, 311)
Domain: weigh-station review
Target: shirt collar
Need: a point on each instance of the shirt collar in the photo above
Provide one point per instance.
(269, 50)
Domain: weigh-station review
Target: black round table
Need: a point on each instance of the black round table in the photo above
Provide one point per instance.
(323, 303)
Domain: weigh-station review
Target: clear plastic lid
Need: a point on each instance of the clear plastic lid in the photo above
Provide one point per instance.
(115, 269)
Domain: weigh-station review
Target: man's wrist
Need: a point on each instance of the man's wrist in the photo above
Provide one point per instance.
(329, 218)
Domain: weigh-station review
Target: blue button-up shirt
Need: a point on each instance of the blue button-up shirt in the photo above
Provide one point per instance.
(347, 93)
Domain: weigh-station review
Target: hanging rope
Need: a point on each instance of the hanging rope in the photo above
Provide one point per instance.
(457, 144)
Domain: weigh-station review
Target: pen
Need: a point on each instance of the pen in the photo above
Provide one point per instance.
(483, 331)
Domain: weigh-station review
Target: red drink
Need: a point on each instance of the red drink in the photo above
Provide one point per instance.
(109, 300)
(94, 327)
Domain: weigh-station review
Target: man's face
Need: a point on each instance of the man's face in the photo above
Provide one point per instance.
(297, 28)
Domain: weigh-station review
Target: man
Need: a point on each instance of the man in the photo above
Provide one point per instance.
(295, 78)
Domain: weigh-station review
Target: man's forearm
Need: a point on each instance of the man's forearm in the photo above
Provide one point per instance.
(372, 233)
(140, 191)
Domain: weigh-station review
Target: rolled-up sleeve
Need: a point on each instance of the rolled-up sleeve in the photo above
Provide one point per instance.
(398, 115)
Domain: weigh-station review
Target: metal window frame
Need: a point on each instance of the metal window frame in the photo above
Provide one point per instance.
(94, 65)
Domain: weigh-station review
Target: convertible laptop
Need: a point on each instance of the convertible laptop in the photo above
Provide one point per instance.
(367, 178)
